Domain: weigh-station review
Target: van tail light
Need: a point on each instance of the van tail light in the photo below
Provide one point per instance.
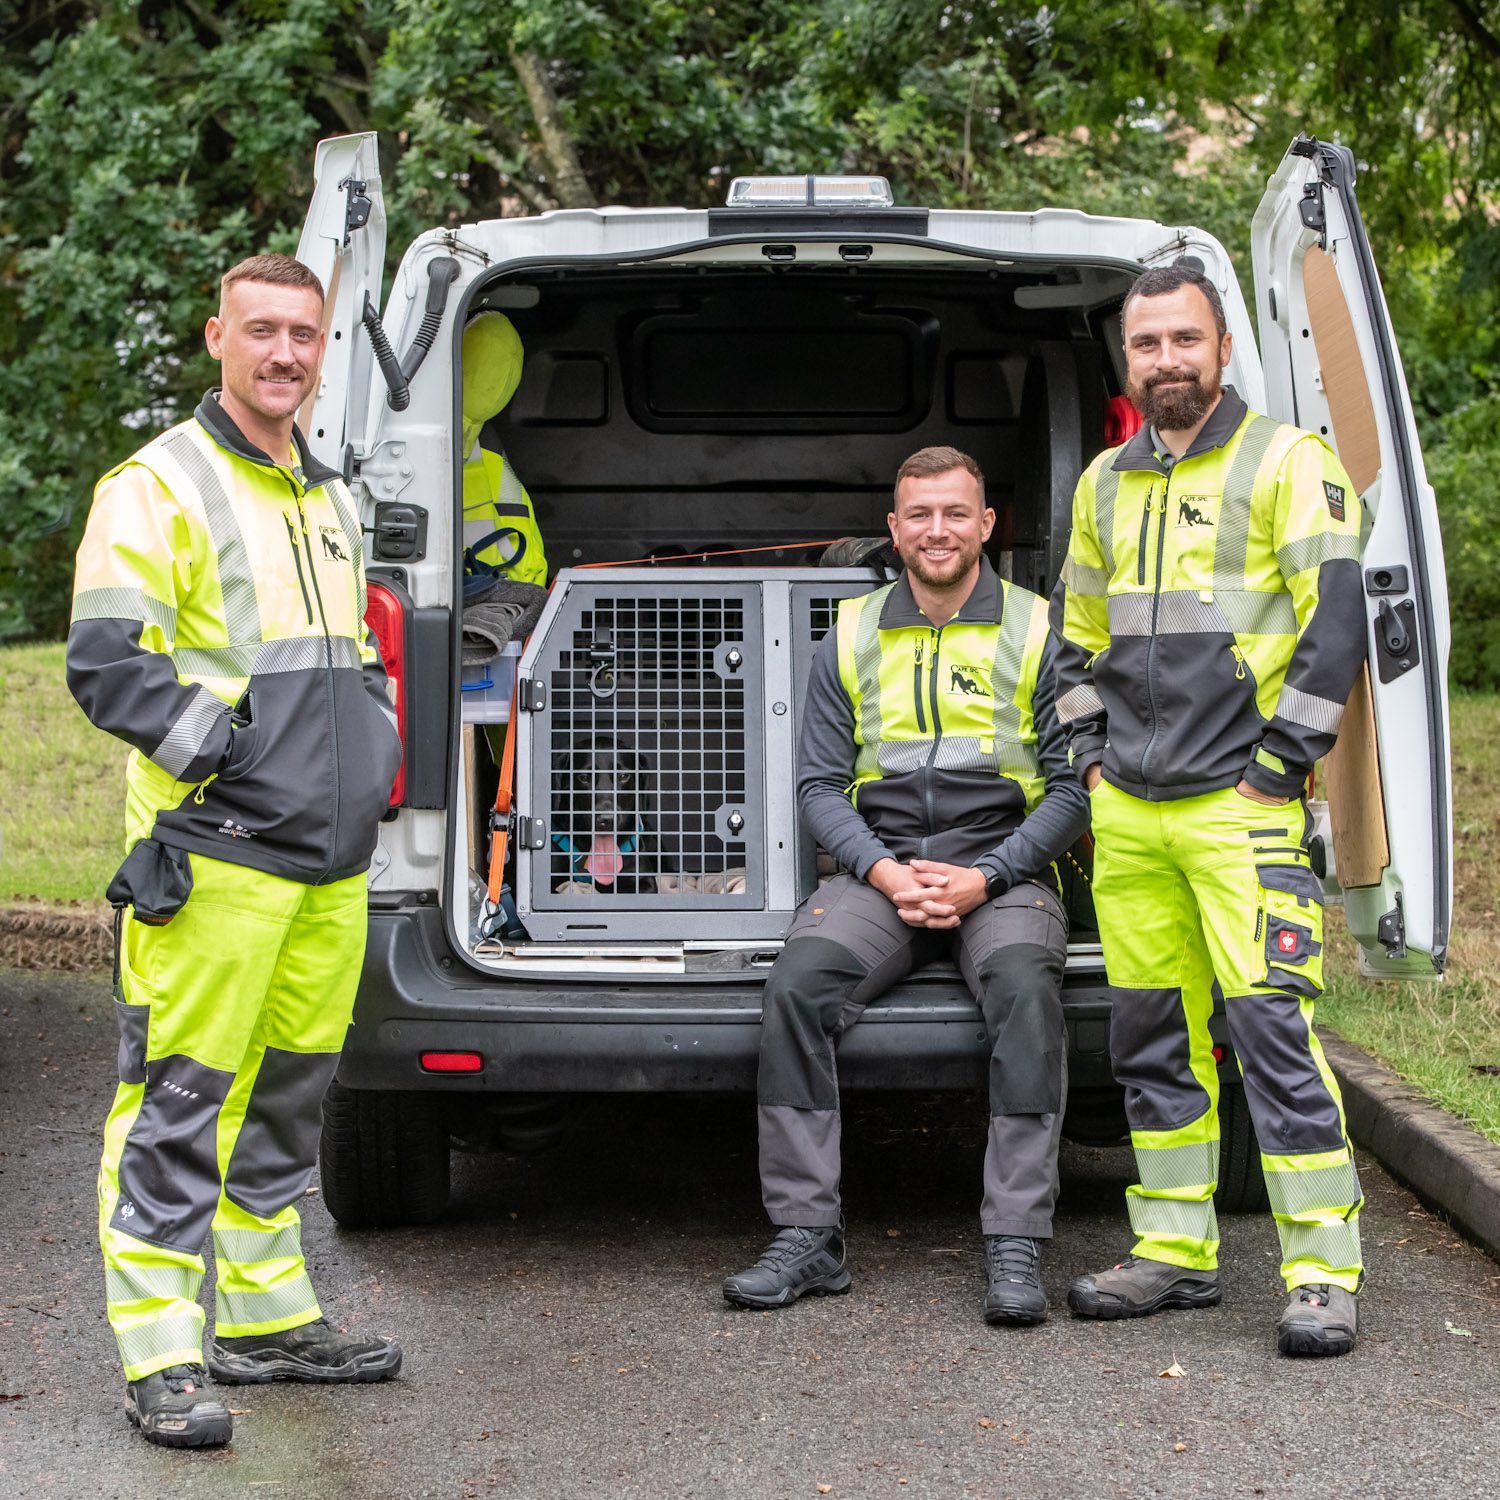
(386, 618)
(1122, 420)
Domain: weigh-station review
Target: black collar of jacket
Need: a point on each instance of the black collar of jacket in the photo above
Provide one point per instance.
(982, 605)
(221, 427)
(1223, 422)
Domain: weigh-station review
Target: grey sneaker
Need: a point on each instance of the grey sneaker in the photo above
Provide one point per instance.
(797, 1263)
(311, 1351)
(1138, 1287)
(172, 1408)
(1013, 1291)
(1318, 1320)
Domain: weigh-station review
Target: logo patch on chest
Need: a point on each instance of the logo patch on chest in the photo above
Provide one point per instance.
(333, 543)
(966, 680)
(1195, 510)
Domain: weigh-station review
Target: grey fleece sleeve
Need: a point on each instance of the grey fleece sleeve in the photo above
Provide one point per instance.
(825, 767)
(1063, 813)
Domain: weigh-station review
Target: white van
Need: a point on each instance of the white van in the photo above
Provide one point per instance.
(709, 397)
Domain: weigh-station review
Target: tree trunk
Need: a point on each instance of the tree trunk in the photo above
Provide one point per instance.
(570, 187)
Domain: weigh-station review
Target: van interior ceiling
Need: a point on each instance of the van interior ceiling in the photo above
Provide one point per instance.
(666, 411)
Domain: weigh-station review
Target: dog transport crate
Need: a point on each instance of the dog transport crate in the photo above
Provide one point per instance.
(656, 758)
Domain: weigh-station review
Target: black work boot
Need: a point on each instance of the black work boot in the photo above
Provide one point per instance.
(1138, 1287)
(311, 1351)
(1013, 1291)
(797, 1263)
(171, 1407)
(1318, 1320)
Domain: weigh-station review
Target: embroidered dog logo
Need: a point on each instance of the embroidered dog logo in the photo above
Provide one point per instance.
(959, 681)
(1188, 514)
(331, 544)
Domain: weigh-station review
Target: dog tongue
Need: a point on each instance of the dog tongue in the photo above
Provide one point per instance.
(605, 859)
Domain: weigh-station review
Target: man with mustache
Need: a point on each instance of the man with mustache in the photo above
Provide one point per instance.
(932, 767)
(1212, 624)
(218, 629)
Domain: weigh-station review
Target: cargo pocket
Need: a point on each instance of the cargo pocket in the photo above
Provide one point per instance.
(1290, 923)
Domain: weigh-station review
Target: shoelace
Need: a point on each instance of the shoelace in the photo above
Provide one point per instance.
(1314, 1296)
(184, 1380)
(1012, 1257)
(788, 1242)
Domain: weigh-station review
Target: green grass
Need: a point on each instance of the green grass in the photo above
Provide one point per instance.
(1437, 1035)
(62, 803)
(62, 821)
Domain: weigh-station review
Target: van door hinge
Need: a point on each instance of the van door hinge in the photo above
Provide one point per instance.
(1396, 649)
(531, 833)
(358, 209)
(531, 695)
(1314, 215)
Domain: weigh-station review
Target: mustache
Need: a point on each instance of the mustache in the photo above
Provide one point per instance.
(1164, 377)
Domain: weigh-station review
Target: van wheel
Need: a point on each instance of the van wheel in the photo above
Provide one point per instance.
(1242, 1183)
(384, 1158)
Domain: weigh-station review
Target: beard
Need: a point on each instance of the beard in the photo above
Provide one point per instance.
(1177, 409)
(965, 555)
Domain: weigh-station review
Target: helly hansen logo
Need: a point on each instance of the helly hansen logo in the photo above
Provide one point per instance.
(333, 543)
(1334, 493)
(1188, 512)
(962, 680)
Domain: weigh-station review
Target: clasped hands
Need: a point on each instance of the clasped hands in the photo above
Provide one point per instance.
(928, 893)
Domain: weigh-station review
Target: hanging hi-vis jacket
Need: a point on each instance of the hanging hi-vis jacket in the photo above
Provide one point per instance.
(218, 628)
(1210, 610)
(496, 503)
(937, 742)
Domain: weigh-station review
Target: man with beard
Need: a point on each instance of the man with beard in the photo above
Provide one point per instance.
(1212, 624)
(933, 768)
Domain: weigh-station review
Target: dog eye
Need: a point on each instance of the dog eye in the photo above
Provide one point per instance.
(622, 778)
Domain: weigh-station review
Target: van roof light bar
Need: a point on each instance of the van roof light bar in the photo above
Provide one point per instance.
(810, 191)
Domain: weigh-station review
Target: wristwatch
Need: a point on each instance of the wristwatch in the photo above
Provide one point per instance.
(995, 883)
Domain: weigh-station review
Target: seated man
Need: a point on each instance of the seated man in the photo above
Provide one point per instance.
(495, 500)
(933, 767)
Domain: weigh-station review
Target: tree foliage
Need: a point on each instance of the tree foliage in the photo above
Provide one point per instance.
(149, 143)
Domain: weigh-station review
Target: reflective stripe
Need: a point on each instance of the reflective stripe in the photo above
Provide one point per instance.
(334, 491)
(901, 757)
(1231, 547)
(236, 581)
(287, 1301)
(1310, 711)
(1106, 487)
(151, 1283)
(1092, 583)
(159, 1337)
(1255, 612)
(1163, 1169)
(119, 603)
(184, 740)
(1188, 1218)
(250, 1246)
(1313, 551)
(867, 675)
(214, 661)
(1177, 613)
(1318, 1190)
(306, 654)
(1333, 1245)
(1079, 702)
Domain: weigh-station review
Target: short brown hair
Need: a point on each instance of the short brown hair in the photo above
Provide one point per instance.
(1160, 280)
(271, 270)
(926, 462)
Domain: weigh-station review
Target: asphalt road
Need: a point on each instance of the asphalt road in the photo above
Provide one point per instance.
(565, 1335)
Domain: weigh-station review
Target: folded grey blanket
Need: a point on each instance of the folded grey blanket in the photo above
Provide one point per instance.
(504, 614)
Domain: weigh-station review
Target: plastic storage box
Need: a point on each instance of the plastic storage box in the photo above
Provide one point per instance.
(489, 688)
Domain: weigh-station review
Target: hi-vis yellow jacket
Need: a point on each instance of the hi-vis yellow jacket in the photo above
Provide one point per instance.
(218, 628)
(1210, 609)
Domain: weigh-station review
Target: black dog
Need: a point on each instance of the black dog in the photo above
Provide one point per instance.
(600, 816)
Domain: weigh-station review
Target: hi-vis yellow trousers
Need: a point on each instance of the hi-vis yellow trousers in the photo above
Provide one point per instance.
(1218, 888)
(231, 1020)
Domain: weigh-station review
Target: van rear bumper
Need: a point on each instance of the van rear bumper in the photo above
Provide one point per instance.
(416, 995)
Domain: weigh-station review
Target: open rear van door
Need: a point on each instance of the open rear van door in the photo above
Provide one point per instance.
(343, 240)
(1331, 366)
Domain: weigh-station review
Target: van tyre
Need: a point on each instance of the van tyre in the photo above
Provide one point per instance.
(384, 1159)
(1242, 1183)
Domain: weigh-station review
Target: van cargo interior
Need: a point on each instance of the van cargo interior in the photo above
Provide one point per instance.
(666, 413)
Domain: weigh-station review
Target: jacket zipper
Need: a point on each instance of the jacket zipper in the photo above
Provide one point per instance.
(929, 799)
(1140, 551)
(1239, 663)
(1161, 547)
(333, 718)
(291, 536)
(916, 686)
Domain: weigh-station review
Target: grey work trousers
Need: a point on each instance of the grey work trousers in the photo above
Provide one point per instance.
(846, 947)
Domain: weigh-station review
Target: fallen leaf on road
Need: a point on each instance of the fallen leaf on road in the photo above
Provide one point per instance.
(1174, 1371)
(985, 1422)
(1458, 1333)
(893, 1234)
(823, 1489)
(1019, 1439)
(1179, 1448)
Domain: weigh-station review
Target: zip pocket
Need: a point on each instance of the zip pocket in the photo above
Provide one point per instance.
(916, 688)
(291, 536)
(1289, 927)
